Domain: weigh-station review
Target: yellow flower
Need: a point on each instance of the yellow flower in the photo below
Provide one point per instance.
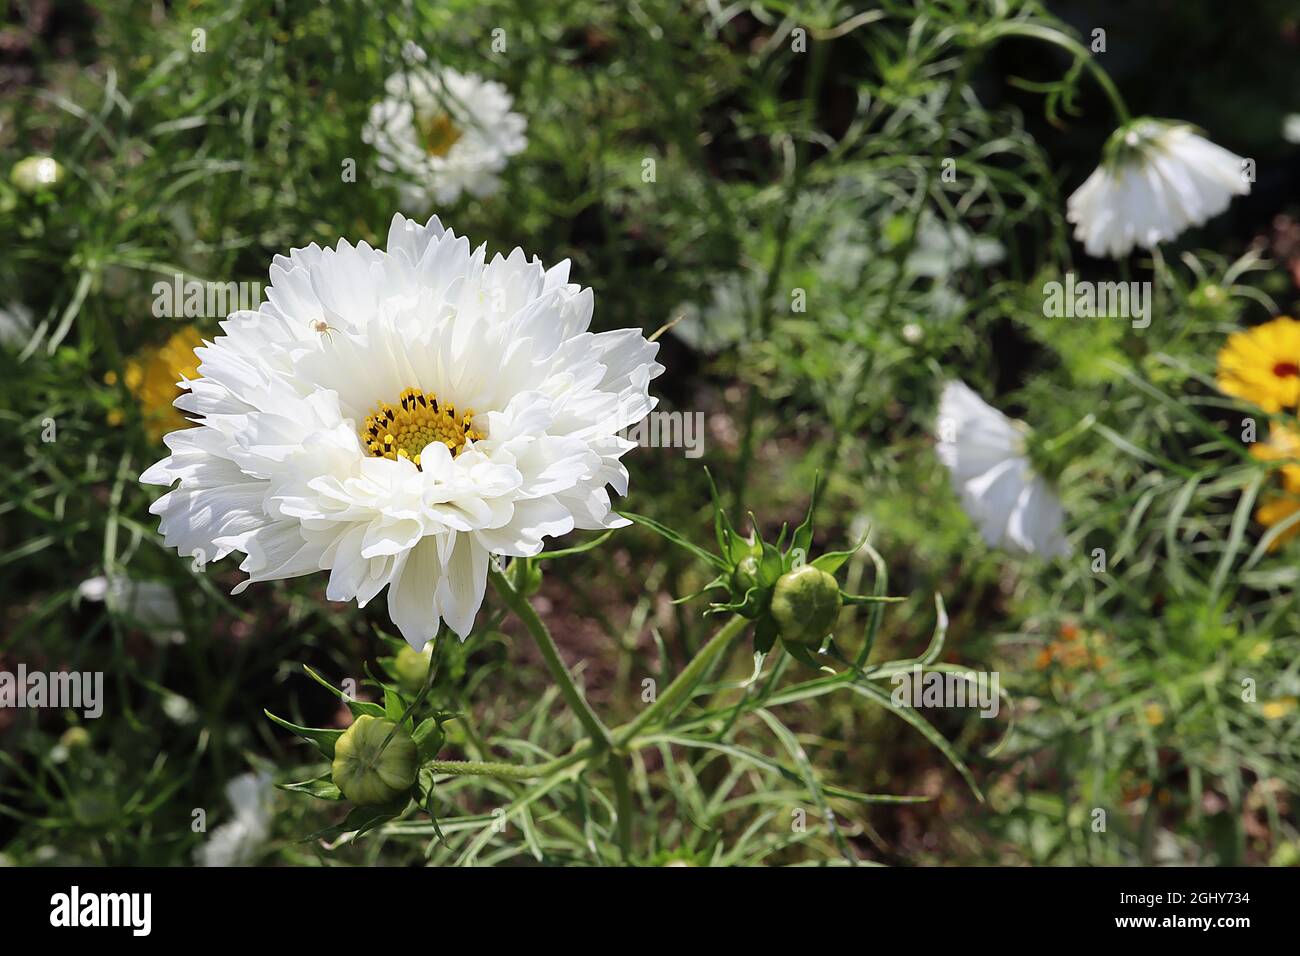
(1262, 364)
(1277, 709)
(1154, 714)
(1283, 445)
(1276, 509)
(152, 376)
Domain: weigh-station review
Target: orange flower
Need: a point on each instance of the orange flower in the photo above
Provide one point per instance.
(1262, 364)
(1070, 652)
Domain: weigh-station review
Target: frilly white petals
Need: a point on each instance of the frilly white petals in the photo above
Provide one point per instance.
(1014, 508)
(276, 469)
(1170, 180)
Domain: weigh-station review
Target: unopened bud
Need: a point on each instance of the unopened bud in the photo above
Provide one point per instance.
(805, 603)
(36, 173)
(411, 667)
(364, 773)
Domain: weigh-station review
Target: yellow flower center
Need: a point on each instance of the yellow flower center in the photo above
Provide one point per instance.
(438, 133)
(418, 419)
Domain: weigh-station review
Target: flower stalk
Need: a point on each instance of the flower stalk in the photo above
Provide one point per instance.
(1037, 31)
(677, 692)
(508, 771)
(598, 732)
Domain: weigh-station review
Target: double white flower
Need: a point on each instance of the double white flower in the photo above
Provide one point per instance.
(442, 133)
(1156, 179)
(395, 417)
(1015, 508)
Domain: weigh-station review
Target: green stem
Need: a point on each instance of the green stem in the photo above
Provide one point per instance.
(678, 691)
(427, 686)
(623, 803)
(1070, 434)
(1047, 34)
(508, 771)
(599, 733)
(623, 739)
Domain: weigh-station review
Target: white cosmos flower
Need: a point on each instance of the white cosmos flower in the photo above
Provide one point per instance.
(443, 133)
(236, 842)
(1016, 509)
(1156, 179)
(396, 416)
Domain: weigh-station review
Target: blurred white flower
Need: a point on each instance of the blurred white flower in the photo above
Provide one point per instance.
(395, 417)
(985, 451)
(718, 325)
(442, 133)
(148, 605)
(1156, 179)
(236, 842)
(15, 325)
(1291, 128)
(179, 709)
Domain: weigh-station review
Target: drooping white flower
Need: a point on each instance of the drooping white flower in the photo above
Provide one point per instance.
(1157, 178)
(1015, 508)
(236, 842)
(442, 133)
(396, 416)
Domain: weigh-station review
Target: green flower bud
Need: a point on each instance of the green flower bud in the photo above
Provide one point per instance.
(93, 809)
(411, 667)
(744, 576)
(75, 737)
(364, 774)
(805, 603)
(35, 173)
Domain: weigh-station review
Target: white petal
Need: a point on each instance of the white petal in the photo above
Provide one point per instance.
(412, 595)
